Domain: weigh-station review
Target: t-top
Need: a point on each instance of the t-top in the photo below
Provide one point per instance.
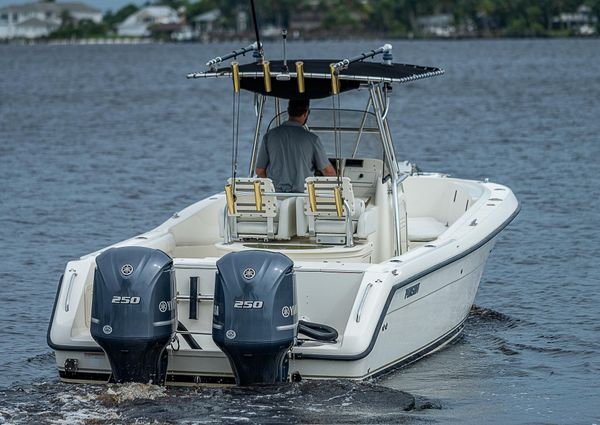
(290, 154)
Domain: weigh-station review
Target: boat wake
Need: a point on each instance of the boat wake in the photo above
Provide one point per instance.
(487, 314)
(118, 394)
(304, 402)
(487, 324)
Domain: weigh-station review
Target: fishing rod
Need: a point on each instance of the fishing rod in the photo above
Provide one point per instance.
(386, 50)
(211, 64)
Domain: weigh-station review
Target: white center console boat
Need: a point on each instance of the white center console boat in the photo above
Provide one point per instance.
(363, 272)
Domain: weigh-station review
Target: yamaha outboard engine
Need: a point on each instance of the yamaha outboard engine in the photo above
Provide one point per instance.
(255, 316)
(133, 312)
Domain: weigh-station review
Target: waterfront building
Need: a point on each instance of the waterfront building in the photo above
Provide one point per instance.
(581, 22)
(39, 19)
(441, 25)
(141, 22)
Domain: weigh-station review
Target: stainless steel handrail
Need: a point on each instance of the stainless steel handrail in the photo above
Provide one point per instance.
(70, 288)
(226, 227)
(349, 229)
(362, 302)
(193, 333)
(199, 298)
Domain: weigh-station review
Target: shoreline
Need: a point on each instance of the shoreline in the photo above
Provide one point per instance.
(141, 41)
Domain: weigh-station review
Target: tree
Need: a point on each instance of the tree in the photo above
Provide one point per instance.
(112, 20)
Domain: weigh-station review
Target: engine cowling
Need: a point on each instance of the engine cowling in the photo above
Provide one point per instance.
(255, 318)
(134, 312)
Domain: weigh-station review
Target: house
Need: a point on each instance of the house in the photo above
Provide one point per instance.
(441, 25)
(33, 20)
(582, 22)
(205, 24)
(141, 22)
(33, 28)
(171, 32)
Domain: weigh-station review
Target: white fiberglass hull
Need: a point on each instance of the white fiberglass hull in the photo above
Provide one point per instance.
(388, 314)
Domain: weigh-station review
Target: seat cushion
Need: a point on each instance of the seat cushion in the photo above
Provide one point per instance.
(329, 225)
(424, 229)
(333, 226)
(287, 219)
(367, 223)
(258, 228)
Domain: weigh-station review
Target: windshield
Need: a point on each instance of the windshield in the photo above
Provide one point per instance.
(356, 131)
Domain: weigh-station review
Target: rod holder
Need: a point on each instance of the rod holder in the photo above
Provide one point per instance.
(235, 75)
(267, 75)
(300, 76)
(257, 196)
(335, 83)
(230, 199)
(339, 202)
(312, 196)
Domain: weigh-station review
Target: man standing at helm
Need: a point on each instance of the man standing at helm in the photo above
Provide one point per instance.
(290, 153)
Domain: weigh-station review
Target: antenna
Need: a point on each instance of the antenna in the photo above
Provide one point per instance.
(261, 52)
(284, 35)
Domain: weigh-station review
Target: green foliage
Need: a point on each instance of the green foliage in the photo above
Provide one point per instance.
(112, 20)
(200, 7)
(385, 17)
(79, 29)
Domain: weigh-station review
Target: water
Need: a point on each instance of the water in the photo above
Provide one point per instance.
(99, 143)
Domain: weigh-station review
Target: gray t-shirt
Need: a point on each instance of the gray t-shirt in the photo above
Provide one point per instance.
(290, 153)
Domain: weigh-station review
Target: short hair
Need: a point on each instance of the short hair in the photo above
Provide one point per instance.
(297, 107)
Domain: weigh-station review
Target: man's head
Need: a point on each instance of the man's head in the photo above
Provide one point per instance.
(298, 110)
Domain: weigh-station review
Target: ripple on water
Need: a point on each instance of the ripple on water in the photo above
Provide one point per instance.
(304, 402)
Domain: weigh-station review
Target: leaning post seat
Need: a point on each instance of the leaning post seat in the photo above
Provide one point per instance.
(253, 211)
(326, 220)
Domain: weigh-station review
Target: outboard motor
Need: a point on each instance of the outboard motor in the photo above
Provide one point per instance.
(255, 316)
(133, 312)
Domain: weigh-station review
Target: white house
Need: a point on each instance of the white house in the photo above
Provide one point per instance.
(437, 25)
(206, 22)
(39, 19)
(583, 22)
(139, 23)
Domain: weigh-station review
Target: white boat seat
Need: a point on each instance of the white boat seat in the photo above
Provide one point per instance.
(335, 225)
(273, 220)
(367, 222)
(258, 228)
(424, 229)
(325, 225)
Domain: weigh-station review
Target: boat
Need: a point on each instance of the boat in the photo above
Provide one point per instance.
(361, 273)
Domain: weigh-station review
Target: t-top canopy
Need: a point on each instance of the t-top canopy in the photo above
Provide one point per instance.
(317, 76)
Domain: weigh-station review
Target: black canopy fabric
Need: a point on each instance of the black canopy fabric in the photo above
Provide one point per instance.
(317, 77)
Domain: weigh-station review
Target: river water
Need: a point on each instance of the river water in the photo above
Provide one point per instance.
(99, 143)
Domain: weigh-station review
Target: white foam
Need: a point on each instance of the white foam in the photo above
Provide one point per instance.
(133, 391)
